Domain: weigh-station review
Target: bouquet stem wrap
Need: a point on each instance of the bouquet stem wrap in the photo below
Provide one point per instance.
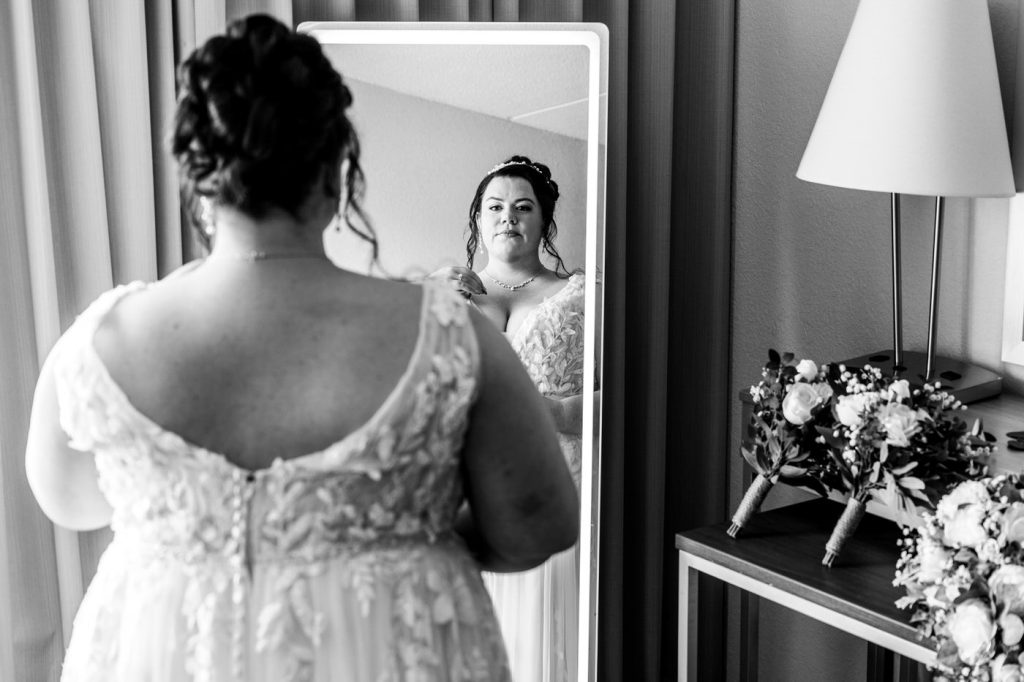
(750, 503)
(845, 527)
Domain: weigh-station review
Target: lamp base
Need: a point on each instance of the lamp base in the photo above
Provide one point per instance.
(968, 383)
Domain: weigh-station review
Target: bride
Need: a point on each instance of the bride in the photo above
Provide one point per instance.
(280, 446)
(540, 310)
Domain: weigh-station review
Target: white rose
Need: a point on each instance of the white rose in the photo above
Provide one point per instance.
(964, 528)
(850, 409)
(1012, 627)
(972, 630)
(989, 552)
(1007, 585)
(807, 370)
(799, 404)
(933, 558)
(900, 423)
(967, 493)
(899, 391)
(1005, 672)
(1012, 524)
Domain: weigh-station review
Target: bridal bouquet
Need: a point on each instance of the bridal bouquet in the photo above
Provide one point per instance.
(791, 402)
(963, 571)
(904, 446)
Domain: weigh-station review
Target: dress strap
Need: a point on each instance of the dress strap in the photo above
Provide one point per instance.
(448, 326)
(83, 394)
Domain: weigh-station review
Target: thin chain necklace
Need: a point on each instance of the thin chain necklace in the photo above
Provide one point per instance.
(507, 285)
(253, 256)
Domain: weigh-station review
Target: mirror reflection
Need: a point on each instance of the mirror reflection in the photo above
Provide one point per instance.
(483, 164)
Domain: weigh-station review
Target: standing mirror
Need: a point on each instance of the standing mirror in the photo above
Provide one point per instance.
(436, 106)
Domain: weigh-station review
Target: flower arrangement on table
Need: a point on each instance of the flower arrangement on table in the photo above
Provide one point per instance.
(963, 571)
(783, 443)
(904, 446)
(861, 433)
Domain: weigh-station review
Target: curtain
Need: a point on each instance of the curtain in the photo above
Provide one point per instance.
(88, 199)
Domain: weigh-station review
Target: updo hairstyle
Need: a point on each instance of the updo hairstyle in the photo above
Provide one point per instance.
(260, 116)
(546, 190)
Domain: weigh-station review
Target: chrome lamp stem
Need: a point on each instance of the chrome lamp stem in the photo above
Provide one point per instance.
(933, 300)
(897, 279)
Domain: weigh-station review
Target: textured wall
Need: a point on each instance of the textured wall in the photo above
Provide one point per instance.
(812, 267)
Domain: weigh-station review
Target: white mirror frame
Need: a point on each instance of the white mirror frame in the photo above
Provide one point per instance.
(1013, 306)
(594, 37)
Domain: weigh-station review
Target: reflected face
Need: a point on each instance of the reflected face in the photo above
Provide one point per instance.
(510, 221)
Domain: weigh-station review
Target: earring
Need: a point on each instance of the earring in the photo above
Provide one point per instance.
(207, 216)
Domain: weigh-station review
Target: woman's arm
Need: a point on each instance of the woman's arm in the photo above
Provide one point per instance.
(63, 480)
(568, 412)
(523, 506)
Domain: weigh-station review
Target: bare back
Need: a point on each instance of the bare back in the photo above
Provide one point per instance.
(262, 360)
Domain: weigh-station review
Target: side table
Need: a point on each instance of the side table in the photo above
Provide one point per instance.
(778, 557)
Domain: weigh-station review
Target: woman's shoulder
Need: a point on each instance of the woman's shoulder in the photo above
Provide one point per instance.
(93, 314)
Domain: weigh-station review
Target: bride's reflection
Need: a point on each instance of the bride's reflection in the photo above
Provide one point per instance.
(540, 309)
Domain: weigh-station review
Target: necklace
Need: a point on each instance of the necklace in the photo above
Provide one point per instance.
(253, 256)
(506, 285)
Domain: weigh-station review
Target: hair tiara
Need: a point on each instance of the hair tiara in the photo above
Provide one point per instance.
(535, 167)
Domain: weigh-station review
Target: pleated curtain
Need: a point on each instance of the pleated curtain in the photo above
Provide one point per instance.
(88, 199)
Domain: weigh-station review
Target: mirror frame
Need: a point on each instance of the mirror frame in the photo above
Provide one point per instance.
(593, 36)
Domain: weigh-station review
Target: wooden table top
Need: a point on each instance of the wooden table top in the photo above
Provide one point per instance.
(784, 547)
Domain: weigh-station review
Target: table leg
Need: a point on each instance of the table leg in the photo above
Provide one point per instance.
(749, 609)
(687, 642)
(880, 664)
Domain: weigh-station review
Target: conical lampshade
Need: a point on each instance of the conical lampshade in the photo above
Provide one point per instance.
(914, 104)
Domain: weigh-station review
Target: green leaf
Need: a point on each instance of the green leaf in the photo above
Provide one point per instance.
(751, 458)
(917, 494)
(911, 483)
(788, 471)
(800, 456)
(762, 459)
(904, 468)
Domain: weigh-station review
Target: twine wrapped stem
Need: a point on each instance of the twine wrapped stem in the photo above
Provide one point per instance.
(845, 527)
(751, 503)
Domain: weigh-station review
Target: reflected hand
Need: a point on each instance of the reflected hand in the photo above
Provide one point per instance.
(462, 279)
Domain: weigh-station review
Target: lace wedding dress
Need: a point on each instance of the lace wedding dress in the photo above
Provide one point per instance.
(539, 609)
(338, 565)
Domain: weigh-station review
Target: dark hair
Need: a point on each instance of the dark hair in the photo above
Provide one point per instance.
(260, 116)
(546, 190)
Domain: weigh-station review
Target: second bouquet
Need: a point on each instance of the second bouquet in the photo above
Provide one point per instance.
(859, 433)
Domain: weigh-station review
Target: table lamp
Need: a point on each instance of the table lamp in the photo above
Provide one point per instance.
(914, 108)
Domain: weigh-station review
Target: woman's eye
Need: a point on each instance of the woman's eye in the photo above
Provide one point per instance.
(524, 208)
(494, 208)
